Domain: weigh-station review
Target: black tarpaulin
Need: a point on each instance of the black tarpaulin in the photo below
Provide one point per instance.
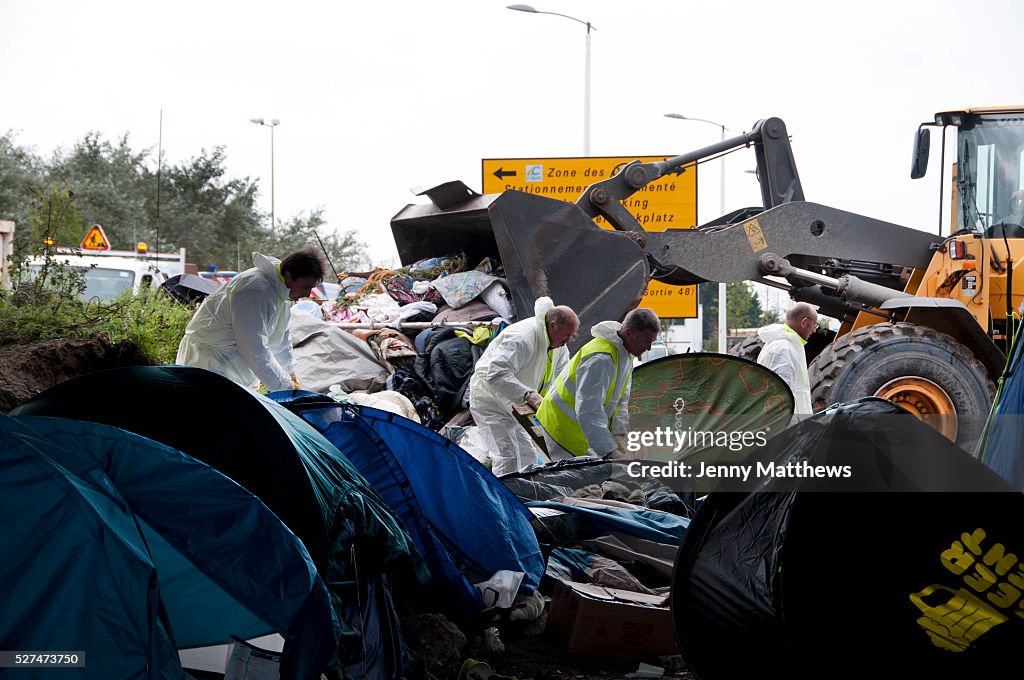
(910, 567)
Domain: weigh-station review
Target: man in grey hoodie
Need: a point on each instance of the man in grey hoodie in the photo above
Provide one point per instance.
(783, 353)
(587, 410)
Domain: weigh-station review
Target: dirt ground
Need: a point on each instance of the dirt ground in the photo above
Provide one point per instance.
(542, 658)
(29, 369)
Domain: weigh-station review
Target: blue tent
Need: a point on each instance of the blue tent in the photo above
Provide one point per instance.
(1004, 438)
(464, 521)
(355, 541)
(128, 550)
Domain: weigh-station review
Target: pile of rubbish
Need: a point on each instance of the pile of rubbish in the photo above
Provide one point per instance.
(403, 340)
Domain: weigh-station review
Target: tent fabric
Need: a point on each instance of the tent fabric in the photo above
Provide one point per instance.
(463, 520)
(705, 392)
(69, 543)
(1004, 439)
(903, 571)
(355, 541)
(203, 585)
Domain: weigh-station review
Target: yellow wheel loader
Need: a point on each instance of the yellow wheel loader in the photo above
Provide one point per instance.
(926, 319)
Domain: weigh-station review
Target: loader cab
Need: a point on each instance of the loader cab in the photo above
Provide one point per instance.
(988, 177)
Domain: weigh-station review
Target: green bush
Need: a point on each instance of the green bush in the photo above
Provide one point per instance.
(152, 321)
(36, 311)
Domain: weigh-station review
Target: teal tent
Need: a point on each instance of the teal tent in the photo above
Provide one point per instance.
(127, 550)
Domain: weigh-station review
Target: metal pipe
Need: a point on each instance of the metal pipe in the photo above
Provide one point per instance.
(411, 325)
(849, 287)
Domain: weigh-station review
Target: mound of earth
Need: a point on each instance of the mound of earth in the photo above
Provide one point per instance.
(30, 368)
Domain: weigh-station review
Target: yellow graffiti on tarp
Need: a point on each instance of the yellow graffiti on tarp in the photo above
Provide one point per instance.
(956, 617)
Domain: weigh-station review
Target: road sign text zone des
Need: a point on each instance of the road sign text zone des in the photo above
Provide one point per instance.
(670, 202)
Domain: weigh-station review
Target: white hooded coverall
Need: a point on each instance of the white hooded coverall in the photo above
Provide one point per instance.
(241, 329)
(783, 353)
(511, 366)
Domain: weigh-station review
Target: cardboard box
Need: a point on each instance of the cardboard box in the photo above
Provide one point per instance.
(591, 619)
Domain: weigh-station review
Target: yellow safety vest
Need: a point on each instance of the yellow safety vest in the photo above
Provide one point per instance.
(563, 427)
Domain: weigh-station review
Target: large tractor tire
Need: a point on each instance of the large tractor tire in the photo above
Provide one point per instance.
(748, 348)
(926, 372)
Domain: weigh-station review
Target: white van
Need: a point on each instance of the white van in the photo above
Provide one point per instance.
(110, 273)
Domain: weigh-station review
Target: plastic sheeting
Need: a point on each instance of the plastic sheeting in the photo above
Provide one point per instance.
(325, 355)
(463, 520)
(905, 569)
(354, 539)
(566, 477)
(72, 581)
(588, 522)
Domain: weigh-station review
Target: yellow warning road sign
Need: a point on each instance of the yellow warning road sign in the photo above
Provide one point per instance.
(670, 202)
(95, 239)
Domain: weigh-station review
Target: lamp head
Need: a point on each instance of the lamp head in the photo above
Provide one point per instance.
(522, 8)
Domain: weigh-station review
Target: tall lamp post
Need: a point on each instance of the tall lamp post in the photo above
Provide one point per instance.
(723, 343)
(273, 123)
(586, 76)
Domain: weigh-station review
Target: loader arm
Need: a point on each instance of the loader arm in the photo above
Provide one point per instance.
(776, 171)
(808, 234)
(553, 248)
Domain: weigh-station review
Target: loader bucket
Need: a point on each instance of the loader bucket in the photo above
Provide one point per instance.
(547, 247)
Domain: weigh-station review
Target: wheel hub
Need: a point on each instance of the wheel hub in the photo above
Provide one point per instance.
(924, 399)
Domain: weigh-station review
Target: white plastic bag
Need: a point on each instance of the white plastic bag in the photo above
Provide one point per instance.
(500, 590)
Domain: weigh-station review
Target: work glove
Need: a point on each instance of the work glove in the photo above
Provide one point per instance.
(295, 382)
(533, 400)
(527, 607)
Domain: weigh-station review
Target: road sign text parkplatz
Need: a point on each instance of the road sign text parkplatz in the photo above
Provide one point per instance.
(95, 239)
(670, 202)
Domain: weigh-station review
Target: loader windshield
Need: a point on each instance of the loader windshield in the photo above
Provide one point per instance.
(990, 182)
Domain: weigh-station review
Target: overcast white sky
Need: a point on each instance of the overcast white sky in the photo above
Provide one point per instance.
(378, 97)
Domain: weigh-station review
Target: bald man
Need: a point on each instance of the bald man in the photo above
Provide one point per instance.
(518, 366)
(783, 353)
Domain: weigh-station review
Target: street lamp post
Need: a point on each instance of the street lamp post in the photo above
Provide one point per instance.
(273, 123)
(723, 343)
(586, 74)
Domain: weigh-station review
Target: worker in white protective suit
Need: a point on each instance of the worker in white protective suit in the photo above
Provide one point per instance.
(783, 353)
(241, 329)
(586, 412)
(519, 366)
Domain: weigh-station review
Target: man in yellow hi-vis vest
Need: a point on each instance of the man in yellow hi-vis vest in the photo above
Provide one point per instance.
(585, 412)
